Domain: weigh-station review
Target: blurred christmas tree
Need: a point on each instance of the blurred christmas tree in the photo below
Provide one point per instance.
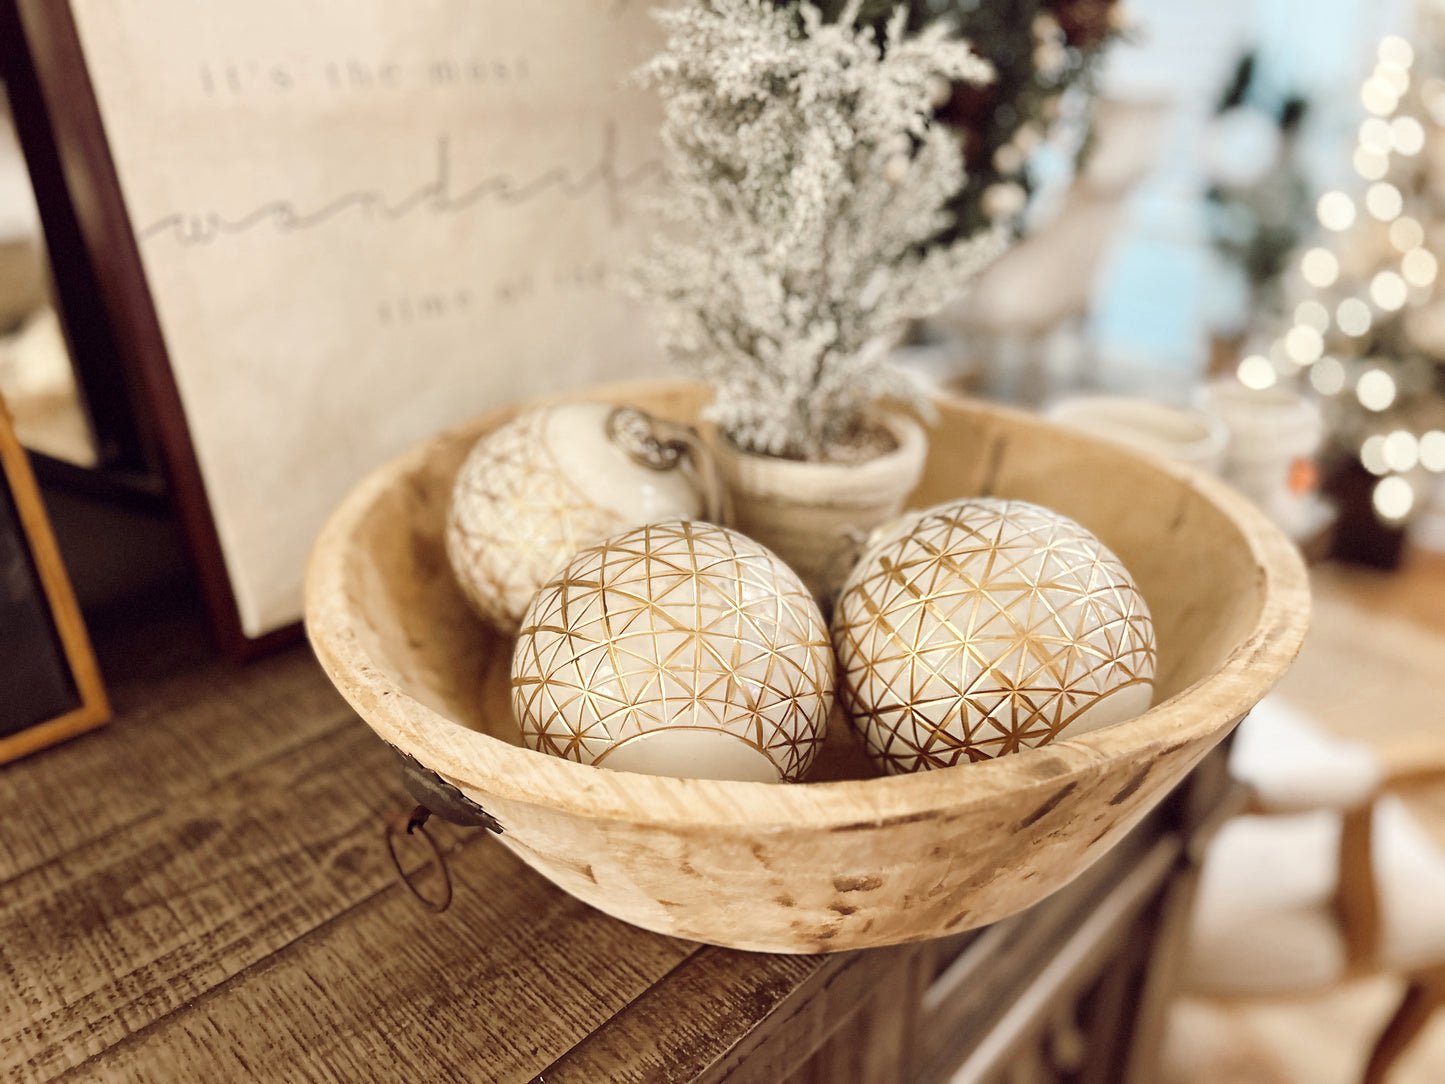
(1367, 327)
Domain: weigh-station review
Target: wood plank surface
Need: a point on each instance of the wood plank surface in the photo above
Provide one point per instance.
(727, 994)
(1371, 666)
(112, 935)
(172, 737)
(878, 1043)
(502, 984)
(221, 907)
(201, 892)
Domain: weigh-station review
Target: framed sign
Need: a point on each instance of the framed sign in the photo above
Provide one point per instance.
(323, 232)
(50, 687)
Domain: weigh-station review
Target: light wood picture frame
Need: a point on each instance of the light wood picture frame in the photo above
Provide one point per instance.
(322, 233)
(50, 684)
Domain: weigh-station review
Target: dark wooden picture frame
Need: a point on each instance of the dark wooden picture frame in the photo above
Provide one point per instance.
(73, 123)
(99, 279)
(50, 684)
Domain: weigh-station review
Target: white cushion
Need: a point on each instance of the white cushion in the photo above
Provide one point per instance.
(1264, 918)
(1294, 765)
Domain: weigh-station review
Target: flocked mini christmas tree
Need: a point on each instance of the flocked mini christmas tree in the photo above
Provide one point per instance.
(808, 183)
(836, 171)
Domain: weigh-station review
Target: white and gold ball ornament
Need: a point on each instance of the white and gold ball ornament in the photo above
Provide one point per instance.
(984, 626)
(552, 480)
(677, 648)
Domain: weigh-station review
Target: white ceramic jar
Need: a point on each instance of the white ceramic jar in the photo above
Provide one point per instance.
(1183, 435)
(1275, 434)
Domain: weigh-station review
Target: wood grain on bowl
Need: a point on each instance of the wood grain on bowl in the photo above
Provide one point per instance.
(850, 862)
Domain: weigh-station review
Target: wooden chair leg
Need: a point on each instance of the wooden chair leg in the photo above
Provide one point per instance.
(1423, 996)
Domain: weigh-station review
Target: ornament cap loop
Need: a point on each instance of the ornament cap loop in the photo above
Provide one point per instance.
(665, 445)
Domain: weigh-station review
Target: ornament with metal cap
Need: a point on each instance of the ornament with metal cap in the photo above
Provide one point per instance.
(555, 479)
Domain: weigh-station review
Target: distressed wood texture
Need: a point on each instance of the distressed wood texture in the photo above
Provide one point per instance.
(853, 862)
(171, 739)
(200, 892)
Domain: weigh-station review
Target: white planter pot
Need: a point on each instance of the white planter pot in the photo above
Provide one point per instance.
(817, 516)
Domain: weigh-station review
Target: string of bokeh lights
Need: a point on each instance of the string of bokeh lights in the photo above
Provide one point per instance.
(1409, 277)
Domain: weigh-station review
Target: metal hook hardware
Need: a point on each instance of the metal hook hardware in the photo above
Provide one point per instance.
(415, 824)
(435, 797)
(665, 445)
(638, 434)
(440, 798)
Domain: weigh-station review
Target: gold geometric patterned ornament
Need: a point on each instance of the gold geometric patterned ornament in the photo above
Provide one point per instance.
(677, 648)
(984, 626)
(533, 492)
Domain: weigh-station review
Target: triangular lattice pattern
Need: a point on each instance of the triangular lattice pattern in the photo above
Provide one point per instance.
(675, 624)
(984, 626)
(516, 517)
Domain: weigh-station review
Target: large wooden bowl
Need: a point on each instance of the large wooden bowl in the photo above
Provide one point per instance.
(823, 866)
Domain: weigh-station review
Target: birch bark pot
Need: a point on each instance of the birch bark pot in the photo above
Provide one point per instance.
(847, 861)
(817, 516)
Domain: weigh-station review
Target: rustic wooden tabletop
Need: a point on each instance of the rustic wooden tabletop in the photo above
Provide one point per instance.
(200, 891)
